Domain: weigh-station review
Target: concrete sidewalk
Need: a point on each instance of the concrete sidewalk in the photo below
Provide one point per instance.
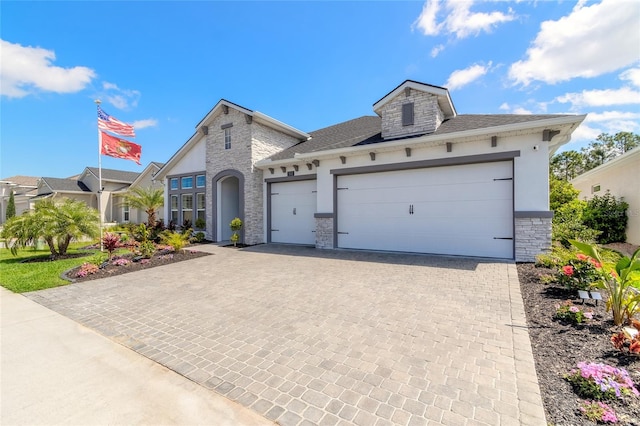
(55, 371)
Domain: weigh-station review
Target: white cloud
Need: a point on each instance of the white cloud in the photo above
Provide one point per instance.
(590, 41)
(610, 122)
(600, 98)
(460, 78)
(141, 124)
(632, 76)
(120, 98)
(436, 50)
(27, 70)
(522, 111)
(457, 18)
(505, 107)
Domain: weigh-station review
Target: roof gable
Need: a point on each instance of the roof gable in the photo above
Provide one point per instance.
(222, 107)
(442, 93)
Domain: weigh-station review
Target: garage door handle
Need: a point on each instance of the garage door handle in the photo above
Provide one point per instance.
(503, 179)
(410, 208)
(273, 230)
(342, 232)
(294, 211)
(502, 238)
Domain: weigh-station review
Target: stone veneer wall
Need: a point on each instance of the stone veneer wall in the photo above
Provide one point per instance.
(533, 237)
(427, 115)
(324, 232)
(250, 142)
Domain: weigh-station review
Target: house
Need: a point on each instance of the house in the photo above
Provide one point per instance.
(23, 188)
(621, 178)
(414, 177)
(85, 187)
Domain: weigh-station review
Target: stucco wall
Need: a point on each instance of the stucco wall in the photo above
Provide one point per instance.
(621, 177)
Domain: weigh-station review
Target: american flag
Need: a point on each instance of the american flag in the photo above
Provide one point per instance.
(111, 124)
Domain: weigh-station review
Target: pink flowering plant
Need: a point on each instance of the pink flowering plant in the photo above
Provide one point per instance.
(601, 382)
(121, 261)
(87, 269)
(568, 312)
(598, 412)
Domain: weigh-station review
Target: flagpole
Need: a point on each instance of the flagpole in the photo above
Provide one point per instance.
(98, 102)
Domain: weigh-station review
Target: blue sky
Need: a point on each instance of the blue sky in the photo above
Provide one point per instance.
(163, 65)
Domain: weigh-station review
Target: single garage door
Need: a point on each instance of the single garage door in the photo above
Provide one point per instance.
(460, 210)
(293, 205)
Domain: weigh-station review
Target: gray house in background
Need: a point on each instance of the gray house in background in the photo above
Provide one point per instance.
(85, 187)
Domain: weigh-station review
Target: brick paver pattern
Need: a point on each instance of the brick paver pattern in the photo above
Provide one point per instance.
(304, 336)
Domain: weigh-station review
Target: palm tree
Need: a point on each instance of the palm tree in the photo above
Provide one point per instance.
(147, 199)
(57, 223)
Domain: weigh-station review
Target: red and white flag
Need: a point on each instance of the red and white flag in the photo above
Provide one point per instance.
(119, 148)
(112, 124)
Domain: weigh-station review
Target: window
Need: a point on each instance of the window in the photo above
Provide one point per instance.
(125, 213)
(200, 206)
(227, 138)
(174, 209)
(200, 181)
(407, 114)
(595, 188)
(187, 182)
(187, 208)
(174, 183)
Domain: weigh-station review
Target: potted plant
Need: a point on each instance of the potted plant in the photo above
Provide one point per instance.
(235, 225)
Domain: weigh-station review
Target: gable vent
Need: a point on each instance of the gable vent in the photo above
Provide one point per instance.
(407, 114)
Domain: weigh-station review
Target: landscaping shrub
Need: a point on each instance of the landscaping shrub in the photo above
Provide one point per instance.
(598, 412)
(608, 215)
(568, 225)
(569, 313)
(601, 382)
(110, 242)
(579, 273)
(177, 240)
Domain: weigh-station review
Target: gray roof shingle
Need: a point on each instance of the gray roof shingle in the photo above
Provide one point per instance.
(115, 175)
(65, 185)
(367, 130)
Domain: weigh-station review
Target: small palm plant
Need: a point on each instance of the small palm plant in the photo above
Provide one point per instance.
(621, 281)
(235, 225)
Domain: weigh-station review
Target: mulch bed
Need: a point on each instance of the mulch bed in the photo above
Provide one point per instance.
(558, 347)
(158, 259)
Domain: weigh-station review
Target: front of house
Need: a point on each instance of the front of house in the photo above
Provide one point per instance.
(416, 177)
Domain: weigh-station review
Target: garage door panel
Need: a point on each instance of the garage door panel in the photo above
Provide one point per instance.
(293, 205)
(463, 210)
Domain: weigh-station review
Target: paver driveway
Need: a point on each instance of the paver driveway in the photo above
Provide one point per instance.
(329, 337)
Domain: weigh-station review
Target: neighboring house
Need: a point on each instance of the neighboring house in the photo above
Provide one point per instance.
(121, 212)
(620, 177)
(417, 177)
(85, 187)
(23, 187)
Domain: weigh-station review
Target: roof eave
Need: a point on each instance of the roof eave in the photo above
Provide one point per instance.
(431, 139)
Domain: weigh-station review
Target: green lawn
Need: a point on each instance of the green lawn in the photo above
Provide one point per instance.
(22, 277)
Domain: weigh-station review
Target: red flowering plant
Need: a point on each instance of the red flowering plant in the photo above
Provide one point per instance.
(628, 340)
(579, 273)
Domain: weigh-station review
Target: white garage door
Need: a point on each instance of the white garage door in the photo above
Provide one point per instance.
(293, 205)
(461, 210)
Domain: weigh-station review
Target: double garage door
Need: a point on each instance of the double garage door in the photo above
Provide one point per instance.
(459, 210)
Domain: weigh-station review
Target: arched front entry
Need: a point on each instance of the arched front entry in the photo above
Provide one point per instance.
(228, 203)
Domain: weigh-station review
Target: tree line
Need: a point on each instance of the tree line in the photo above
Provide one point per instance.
(569, 164)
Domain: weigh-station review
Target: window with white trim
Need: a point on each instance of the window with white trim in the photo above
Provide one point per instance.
(200, 203)
(227, 138)
(125, 213)
(174, 183)
(200, 181)
(187, 208)
(187, 182)
(595, 188)
(174, 209)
